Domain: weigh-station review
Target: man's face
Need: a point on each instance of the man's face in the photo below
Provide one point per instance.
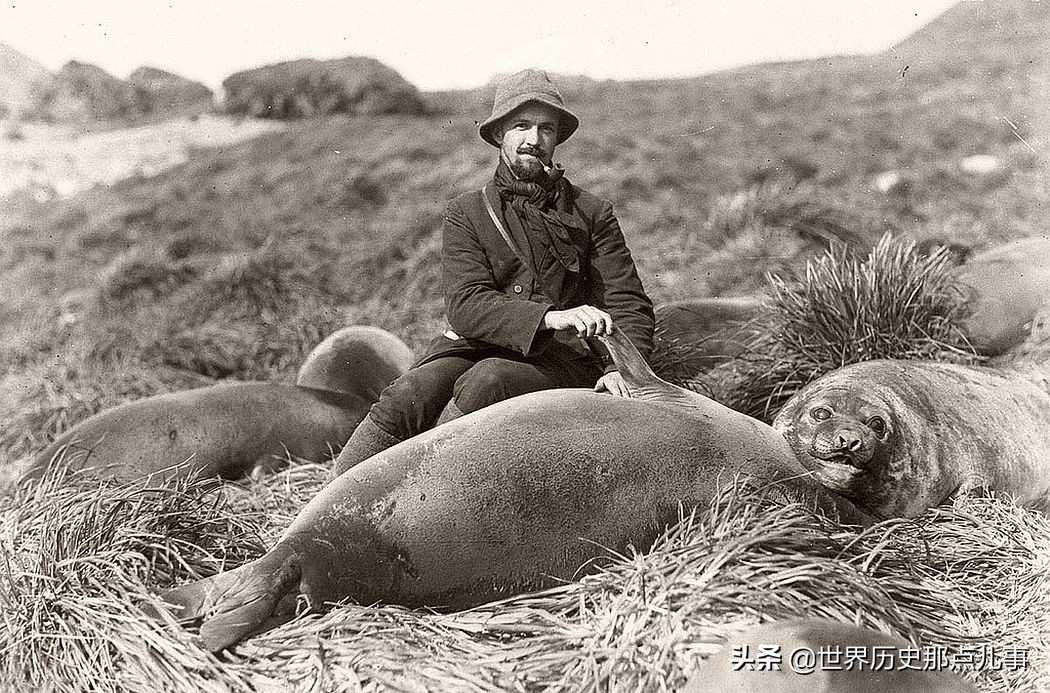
(528, 139)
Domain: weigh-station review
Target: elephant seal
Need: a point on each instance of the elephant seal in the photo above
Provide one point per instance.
(510, 498)
(797, 645)
(898, 437)
(1006, 287)
(700, 333)
(230, 430)
(359, 359)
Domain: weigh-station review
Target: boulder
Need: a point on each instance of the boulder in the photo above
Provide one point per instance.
(979, 164)
(83, 92)
(166, 94)
(305, 88)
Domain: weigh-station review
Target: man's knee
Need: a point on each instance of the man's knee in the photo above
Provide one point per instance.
(493, 380)
(410, 404)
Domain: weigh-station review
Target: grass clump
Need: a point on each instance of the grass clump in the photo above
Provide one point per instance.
(895, 303)
(77, 559)
(783, 203)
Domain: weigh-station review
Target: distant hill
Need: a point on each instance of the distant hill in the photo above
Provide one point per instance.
(21, 78)
(305, 88)
(984, 27)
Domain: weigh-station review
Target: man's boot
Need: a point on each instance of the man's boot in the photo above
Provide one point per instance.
(367, 439)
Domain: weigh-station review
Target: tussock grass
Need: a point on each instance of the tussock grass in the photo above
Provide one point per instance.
(72, 587)
(894, 303)
(783, 203)
(142, 274)
(81, 560)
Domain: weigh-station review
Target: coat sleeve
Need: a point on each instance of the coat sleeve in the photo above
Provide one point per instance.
(615, 285)
(475, 305)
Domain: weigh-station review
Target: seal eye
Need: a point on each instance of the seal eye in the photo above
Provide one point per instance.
(820, 414)
(878, 425)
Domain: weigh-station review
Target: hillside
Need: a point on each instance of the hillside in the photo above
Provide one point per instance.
(21, 78)
(234, 263)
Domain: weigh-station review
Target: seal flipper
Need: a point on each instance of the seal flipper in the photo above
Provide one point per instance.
(641, 381)
(235, 604)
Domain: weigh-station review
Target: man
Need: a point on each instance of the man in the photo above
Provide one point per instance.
(532, 266)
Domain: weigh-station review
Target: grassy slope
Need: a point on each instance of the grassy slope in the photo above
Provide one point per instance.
(236, 262)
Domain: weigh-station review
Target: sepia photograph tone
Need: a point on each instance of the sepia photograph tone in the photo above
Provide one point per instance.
(455, 346)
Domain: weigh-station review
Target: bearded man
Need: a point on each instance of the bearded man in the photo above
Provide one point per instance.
(532, 268)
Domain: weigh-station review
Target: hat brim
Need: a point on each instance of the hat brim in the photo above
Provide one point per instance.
(567, 120)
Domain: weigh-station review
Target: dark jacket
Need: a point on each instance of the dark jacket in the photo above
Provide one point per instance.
(491, 299)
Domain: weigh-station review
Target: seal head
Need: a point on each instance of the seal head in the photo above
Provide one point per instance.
(869, 442)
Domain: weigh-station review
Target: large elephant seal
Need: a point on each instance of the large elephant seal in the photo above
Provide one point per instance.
(506, 499)
(229, 430)
(898, 437)
(694, 335)
(1007, 286)
(804, 653)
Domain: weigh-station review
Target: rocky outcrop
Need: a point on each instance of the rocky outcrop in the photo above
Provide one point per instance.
(167, 94)
(304, 88)
(84, 92)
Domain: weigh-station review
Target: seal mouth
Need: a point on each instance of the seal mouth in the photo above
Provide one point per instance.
(839, 457)
(833, 471)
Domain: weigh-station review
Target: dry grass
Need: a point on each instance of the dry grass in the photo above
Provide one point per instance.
(80, 561)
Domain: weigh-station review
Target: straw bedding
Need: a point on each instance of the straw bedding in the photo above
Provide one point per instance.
(80, 561)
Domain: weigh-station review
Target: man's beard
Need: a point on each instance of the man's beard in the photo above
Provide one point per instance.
(529, 169)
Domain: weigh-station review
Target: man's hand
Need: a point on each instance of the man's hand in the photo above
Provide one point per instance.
(613, 383)
(588, 321)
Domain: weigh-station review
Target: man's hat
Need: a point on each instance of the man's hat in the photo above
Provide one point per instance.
(520, 88)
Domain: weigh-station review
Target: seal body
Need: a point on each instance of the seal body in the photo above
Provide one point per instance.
(705, 332)
(898, 437)
(222, 430)
(1007, 287)
(230, 430)
(735, 669)
(507, 499)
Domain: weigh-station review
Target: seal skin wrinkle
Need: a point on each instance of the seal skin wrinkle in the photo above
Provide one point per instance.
(230, 430)
(898, 437)
(507, 499)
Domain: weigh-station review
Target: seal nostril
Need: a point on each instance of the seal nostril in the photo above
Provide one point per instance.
(855, 445)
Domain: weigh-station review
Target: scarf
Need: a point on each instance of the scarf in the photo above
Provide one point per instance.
(540, 210)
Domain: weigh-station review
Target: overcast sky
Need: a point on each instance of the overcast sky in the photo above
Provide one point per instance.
(438, 44)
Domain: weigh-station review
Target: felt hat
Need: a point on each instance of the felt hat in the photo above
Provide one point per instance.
(515, 91)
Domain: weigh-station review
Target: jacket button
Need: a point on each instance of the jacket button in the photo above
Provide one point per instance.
(517, 288)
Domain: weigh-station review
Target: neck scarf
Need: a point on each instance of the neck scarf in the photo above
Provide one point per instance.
(541, 210)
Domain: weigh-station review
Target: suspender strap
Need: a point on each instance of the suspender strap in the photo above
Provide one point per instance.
(503, 231)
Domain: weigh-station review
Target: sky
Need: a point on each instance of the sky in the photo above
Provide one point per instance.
(447, 44)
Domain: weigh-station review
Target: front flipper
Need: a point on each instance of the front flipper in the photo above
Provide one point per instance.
(641, 381)
(234, 604)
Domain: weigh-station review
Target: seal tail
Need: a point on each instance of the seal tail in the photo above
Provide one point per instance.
(236, 603)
